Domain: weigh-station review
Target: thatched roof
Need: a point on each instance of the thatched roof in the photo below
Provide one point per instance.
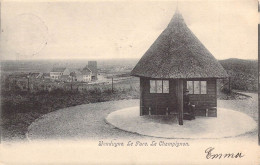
(177, 53)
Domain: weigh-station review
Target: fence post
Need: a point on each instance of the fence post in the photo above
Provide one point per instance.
(112, 85)
(28, 77)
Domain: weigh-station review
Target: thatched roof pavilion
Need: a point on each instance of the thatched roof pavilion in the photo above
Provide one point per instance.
(175, 62)
(177, 53)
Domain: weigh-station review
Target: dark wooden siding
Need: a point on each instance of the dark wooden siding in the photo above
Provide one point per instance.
(159, 102)
(205, 101)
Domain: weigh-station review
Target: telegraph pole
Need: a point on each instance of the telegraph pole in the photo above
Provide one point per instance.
(112, 85)
(28, 78)
(71, 83)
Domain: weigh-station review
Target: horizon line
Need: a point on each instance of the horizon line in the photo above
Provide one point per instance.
(97, 59)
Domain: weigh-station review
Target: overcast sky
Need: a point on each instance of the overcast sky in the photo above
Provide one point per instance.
(67, 30)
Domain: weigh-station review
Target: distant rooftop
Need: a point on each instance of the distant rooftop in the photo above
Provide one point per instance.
(86, 71)
(58, 69)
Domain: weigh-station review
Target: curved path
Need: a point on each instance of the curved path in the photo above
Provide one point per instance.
(88, 121)
(81, 122)
(229, 123)
(248, 106)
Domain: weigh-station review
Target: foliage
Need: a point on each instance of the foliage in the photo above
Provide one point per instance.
(243, 73)
(19, 109)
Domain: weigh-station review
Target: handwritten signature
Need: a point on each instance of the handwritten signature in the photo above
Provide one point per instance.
(211, 155)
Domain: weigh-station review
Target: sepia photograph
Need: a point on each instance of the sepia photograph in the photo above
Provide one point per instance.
(129, 82)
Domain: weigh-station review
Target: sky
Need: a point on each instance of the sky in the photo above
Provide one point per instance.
(122, 29)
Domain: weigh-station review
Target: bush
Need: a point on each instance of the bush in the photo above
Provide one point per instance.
(243, 73)
(108, 91)
(226, 90)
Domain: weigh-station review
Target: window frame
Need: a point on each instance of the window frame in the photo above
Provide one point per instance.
(206, 86)
(156, 86)
(200, 93)
(197, 90)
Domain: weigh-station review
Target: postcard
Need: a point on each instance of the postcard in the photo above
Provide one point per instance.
(129, 82)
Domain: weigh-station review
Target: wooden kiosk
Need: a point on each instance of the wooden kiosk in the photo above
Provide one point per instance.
(175, 62)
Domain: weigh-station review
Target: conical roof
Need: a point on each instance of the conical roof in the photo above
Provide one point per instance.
(177, 53)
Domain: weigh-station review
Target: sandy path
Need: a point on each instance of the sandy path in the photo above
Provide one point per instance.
(84, 121)
(88, 121)
(229, 123)
(248, 106)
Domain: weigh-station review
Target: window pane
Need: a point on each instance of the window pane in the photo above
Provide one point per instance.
(196, 87)
(190, 87)
(203, 87)
(159, 86)
(152, 86)
(165, 86)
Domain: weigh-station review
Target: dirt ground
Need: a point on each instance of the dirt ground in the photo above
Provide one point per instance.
(229, 123)
(64, 123)
(248, 106)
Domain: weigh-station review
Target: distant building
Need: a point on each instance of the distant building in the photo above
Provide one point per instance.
(77, 76)
(87, 74)
(56, 73)
(83, 75)
(92, 65)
